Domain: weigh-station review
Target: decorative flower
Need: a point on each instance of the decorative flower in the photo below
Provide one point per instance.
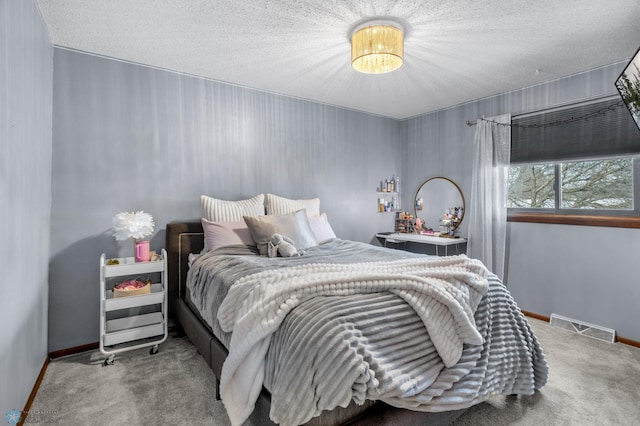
(134, 225)
(451, 215)
(446, 217)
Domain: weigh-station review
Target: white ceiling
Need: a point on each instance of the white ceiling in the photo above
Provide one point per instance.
(455, 50)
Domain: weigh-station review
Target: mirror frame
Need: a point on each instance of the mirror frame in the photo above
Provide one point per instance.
(455, 185)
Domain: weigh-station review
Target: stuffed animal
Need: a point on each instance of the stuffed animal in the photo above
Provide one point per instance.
(280, 244)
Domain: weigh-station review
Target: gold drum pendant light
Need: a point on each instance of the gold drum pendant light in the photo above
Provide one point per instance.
(377, 48)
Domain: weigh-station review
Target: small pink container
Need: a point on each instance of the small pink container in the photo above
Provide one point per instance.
(142, 253)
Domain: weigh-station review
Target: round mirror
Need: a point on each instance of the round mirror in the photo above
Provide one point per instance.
(439, 203)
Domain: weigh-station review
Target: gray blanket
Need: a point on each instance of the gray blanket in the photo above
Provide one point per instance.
(378, 338)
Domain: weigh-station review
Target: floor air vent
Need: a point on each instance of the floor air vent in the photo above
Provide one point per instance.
(584, 328)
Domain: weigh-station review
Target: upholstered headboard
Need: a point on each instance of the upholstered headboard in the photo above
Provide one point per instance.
(182, 238)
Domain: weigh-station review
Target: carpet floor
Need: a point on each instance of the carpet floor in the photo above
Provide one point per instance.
(590, 383)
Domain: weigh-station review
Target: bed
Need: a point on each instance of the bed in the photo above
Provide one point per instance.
(500, 355)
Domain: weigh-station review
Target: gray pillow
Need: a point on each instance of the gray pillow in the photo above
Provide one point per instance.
(293, 225)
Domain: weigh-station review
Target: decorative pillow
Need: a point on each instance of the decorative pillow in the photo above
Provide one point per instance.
(321, 228)
(231, 211)
(223, 234)
(279, 205)
(293, 225)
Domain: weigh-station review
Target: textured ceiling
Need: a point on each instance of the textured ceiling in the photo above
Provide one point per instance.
(455, 51)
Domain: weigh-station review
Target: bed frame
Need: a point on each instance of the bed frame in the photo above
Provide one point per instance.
(187, 237)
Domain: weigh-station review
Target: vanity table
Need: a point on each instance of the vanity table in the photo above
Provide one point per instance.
(439, 204)
(432, 240)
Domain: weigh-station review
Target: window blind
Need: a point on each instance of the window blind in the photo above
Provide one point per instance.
(601, 128)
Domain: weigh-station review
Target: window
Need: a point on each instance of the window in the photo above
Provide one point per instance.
(576, 160)
(532, 186)
(598, 186)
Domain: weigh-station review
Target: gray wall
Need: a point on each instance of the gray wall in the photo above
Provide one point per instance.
(26, 68)
(127, 137)
(585, 273)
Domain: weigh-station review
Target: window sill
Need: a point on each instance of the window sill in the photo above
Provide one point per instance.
(564, 219)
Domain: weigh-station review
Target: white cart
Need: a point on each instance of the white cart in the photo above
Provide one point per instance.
(129, 328)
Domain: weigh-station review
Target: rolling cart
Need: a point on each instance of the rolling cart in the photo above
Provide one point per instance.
(132, 322)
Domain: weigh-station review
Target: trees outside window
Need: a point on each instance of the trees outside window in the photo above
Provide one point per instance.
(594, 185)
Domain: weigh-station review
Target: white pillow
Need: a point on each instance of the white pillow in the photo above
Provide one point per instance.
(223, 234)
(321, 228)
(293, 225)
(279, 205)
(231, 211)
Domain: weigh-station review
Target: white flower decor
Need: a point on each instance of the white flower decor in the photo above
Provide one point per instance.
(134, 225)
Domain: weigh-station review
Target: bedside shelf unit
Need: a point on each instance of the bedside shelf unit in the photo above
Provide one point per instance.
(132, 327)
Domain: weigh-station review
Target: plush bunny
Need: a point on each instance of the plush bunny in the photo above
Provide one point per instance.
(280, 244)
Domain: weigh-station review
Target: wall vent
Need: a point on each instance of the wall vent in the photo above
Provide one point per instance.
(584, 328)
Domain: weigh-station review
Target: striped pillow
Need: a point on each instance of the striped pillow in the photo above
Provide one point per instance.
(279, 205)
(231, 211)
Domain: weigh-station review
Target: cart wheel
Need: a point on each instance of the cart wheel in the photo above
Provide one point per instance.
(154, 350)
(110, 360)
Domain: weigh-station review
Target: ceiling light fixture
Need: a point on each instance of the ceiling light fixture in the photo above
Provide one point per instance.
(377, 47)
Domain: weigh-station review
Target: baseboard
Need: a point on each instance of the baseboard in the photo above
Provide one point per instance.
(536, 316)
(619, 339)
(33, 393)
(628, 341)
(74, 350)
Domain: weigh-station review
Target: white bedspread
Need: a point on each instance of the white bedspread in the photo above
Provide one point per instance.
(444, 292)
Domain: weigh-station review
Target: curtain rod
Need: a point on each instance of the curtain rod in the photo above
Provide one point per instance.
(555, 108)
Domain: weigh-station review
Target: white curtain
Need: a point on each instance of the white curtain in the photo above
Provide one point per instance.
(488, 203)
